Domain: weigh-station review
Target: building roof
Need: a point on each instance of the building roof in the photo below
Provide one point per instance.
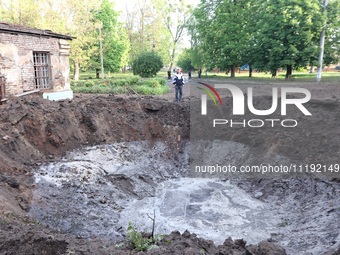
(19, 29)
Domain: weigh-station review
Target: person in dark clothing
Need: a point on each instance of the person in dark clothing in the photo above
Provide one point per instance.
(179, 83)
(169, 75)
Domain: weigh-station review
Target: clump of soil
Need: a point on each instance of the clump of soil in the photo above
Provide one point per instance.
(32, 239)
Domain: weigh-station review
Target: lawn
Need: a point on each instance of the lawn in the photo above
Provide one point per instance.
(331, 76)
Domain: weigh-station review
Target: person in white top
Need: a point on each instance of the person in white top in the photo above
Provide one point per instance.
(179, 83)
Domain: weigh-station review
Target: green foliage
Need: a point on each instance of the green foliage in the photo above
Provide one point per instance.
(147, 64)
(161, 81)
(146, 90)
(136, 239)
(154, 86)
(135, 80)
(266, 34)
(78, 83)
(89, 84)
(114, 39)
(219, 32)
(184, 61)
(153, 83)
(287, 33)
(175, 15)
(332, 38)
(121, 82)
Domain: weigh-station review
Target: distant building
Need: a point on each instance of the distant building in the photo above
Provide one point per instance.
(34, 60)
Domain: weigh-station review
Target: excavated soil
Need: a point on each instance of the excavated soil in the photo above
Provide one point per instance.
(38, 135)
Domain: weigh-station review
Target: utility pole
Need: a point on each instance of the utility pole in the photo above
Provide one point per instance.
(101, 52)
(322, 43)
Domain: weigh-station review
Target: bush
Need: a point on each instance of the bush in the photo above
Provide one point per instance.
(147, 64)
(89, 84)
(106, 83)
(146, 90)
(135, 80)
(152, 83)
(121, 82)
(77, 83)
(143, 90)
(161, 81)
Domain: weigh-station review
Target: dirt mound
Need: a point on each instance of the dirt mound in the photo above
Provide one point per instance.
(33, 239)
(33, 129)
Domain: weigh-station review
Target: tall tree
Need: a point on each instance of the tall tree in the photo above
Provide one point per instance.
(175, 16)
(287, 34)
(332, 37)
(145, 29)
(82, 27)
(114, 39)
(21, 12)
(220, 25)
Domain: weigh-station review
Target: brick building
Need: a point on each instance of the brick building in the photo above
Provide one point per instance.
(33, 60)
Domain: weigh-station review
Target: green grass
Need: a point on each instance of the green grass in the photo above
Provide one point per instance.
(296, 76)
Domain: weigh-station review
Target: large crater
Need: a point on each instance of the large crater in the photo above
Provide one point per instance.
(96, 191)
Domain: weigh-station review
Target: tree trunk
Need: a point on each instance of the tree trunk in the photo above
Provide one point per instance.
(232, 71)
(273, 73)
(97, 73)
(289, 72)
(250, 72)
(311, 69)
(76, 71)
(172, 59)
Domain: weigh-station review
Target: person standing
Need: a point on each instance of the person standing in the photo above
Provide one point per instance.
(179, 83)
(169, 74)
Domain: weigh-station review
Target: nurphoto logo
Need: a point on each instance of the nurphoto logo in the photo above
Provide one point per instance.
(238, 106)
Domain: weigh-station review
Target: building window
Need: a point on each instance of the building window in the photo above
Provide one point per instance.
(41, 70)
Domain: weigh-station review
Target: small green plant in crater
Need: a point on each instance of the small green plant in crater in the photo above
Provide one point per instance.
(139, 242)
